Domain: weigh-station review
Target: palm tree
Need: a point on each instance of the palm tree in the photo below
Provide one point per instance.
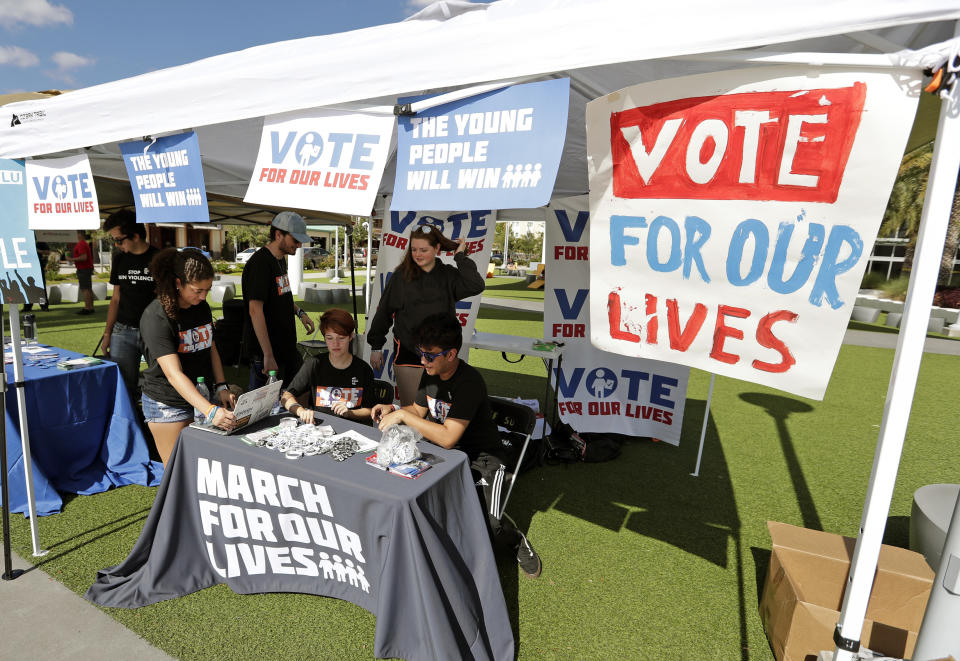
(905, 207)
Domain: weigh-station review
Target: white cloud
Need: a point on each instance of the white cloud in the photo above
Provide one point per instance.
(18, 57)
(37, 13)
(66, 61)
(412, 5)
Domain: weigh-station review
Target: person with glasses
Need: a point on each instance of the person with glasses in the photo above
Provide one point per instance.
(420, 287)
(133, 290)
(335, 382)
(269, 330)
(452, 410)
(177, 330)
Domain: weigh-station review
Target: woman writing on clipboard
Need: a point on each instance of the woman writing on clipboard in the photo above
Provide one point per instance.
(420, 287)
(177, 332)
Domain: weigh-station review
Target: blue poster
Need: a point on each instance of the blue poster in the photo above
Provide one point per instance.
(21, 280)
(167, 179)
(498, 150)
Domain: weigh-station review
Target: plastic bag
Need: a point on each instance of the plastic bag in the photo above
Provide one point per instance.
(398, 445)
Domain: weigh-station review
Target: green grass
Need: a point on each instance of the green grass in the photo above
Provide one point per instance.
(641, 560)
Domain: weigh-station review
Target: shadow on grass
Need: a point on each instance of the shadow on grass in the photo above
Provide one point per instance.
(780, 408)
(648, 490)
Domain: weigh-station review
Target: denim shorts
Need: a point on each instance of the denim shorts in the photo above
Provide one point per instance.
(154, 411)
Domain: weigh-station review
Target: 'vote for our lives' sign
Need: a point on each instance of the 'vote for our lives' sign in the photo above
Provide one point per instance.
(498, 150)
(733, 215)
(328, 160)
(166, 177)
(599, 391)
(61, 194)
(21, 280)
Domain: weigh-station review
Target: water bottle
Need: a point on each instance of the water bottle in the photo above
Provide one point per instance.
(200, 417)
(29, 329)
(272, 378)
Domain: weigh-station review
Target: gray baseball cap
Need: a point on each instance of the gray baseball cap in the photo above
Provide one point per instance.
(293, 224)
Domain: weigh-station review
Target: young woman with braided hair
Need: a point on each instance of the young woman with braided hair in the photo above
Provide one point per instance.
(177, 331)
(421, 286)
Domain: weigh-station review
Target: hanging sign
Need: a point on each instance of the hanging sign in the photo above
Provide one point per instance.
(499, 150)
(598, 391)
(327, 160)
(61, 194)
(732, 216)
(166, 176)
(22, 279)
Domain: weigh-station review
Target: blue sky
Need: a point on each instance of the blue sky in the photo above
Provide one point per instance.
(69, 44)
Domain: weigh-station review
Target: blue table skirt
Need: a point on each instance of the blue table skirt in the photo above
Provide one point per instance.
(84, 436)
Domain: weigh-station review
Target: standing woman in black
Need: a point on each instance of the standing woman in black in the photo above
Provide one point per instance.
(177, 332)
(420, 287)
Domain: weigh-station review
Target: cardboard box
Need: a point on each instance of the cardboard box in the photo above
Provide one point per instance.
(803, 594)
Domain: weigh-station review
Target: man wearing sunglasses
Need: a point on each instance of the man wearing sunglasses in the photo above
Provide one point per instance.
(133, 290)
(451, 409)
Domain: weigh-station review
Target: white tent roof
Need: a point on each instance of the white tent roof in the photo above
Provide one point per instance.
(603, 45)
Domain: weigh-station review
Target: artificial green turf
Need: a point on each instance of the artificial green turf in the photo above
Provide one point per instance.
(641, 559)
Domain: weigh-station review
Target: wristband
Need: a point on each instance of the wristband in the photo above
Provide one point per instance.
(212, 413)
(300, 312)
(396, 407)
(220, 387)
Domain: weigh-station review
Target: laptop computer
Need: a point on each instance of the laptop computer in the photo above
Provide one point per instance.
(251, 407)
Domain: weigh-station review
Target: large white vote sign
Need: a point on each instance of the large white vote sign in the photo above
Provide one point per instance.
(733, 215)
(476, 228)
(598, 391)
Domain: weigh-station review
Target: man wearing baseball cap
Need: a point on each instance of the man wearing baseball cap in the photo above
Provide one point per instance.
(269, 332)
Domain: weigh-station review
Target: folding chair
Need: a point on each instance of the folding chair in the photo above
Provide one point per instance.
(383, 392)
(517, 418)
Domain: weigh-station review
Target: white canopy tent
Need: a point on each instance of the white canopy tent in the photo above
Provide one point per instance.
(602, 45)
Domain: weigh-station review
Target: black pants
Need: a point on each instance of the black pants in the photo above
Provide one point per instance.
(491, 476)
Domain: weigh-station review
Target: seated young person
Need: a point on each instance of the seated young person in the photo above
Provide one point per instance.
(336, 382)
(451, 409)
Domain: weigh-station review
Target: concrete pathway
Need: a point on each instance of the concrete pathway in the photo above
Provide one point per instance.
(42, 619)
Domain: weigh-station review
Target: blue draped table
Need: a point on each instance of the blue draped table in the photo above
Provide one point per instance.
(84, 436)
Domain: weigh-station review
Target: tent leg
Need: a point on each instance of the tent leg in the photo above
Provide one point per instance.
(24, 430)
(9, 573)
(903, 378)
(703, 430)
(353, 278)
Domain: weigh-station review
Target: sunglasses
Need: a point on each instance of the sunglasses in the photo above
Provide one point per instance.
(432, 356)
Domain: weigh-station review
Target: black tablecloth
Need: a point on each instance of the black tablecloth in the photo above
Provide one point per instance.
(415, 553)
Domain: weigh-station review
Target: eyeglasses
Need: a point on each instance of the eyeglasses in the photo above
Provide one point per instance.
(431, 356)
(120, 239)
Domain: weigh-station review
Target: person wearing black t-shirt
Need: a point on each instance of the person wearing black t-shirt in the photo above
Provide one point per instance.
(133, 290)
(269, 332)
(177, 331)
(451, 409)
(336, 382)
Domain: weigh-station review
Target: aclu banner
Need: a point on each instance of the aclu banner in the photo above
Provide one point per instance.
(599, 391)
(476, 228)
(498, 150)
(22, 280)
(61, 194)
(327, 160)
(167, 179)
(733, 215)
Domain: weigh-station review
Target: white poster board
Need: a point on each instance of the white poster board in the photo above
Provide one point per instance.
(599, 391)
(61, 194)
(733, 215)
(328, 160)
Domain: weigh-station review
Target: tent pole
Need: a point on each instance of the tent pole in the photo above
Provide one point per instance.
(703, 430)
(903, 378)
(8, 571)
(18, 383)
(353, 278)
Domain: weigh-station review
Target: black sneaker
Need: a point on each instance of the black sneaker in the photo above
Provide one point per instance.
(84, 311)
(528, 559)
